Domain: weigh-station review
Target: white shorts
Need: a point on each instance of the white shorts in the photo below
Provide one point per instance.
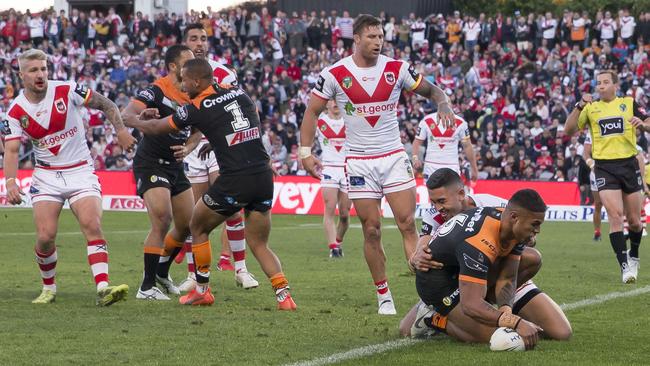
(375, 176)
(333, 176)
(66, 184)
(430, 168)
(197, 170)
(592, 181)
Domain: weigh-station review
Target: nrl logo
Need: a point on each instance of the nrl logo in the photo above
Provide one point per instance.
(60, 105)
(323, 128)
(389, 77)
(347, 82)
(622, 107)
(24, 121)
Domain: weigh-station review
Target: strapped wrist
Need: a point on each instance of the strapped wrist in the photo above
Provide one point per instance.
(304, 152)
(508, 320)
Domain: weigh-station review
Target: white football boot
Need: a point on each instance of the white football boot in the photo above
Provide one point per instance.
(246, 280)
(188, 284)
(386, 304)
(168, 285)
(152, 294)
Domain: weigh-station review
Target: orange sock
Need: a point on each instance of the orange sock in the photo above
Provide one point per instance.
(202, 257)
(170, 245)
(278, 281)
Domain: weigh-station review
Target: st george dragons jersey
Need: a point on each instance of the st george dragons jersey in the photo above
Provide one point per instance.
(368, 98)
(222, 74)
(54, 124)
(432, 219)
(331, 137)
(442, 143)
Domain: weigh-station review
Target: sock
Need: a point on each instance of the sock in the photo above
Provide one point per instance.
(224, 257)
(635, 242)
(171, 250)
(382, 287)
(619, 246)
(279, 282)
(47, 265)
(437, 322)
(339, 241)
(236, 237)
(333, 245)
(191, 268)
(98, 260)
(597, 231)
(203, 257)
(151, 259)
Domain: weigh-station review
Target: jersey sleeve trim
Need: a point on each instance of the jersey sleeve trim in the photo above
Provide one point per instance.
(471, 279)
(10, 138)
(170, 120)
(315, 93)
(87, 98)
(417, 83)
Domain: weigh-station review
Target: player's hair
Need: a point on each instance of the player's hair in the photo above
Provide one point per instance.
(611, 73)
(364, 21)
(190, 27)
(173, 53)
(443, 177)
(198, 68)
(30, 55)
(527, 199)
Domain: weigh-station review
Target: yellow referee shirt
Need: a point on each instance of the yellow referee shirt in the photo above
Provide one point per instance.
(612, 135)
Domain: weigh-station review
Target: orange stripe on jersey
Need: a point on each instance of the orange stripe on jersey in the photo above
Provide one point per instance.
(487, 239)
(471, 279)
(205, 93)
(167, 86)
(170, 120)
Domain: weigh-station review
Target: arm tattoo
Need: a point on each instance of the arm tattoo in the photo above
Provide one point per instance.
(431, 91)
(98, 101)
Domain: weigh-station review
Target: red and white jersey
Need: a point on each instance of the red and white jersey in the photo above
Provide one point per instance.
(368, 98)
(432, 219)
(331, 137)
(55, 124)
(442, 143)
(222, 74)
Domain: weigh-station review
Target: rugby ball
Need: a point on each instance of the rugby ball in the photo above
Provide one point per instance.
(506, 339)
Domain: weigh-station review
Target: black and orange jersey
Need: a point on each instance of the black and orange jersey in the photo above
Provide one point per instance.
(229, 120)
(166, 98)
(469, 242)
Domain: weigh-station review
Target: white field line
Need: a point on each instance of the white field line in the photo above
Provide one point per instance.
(374, 349)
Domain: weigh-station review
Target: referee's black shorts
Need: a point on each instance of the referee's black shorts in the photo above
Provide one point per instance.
(438, 287)
(623, 174)
(230, 193)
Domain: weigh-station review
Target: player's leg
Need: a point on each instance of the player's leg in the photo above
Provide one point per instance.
(236, 232)
(330, 198)
(535, 306)
(46, 218)
(344, 205)
(598, 206)
(87, 207)
(402, 203)
(633, 205)
(199, 187)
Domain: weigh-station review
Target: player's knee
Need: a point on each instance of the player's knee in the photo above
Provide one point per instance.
(91, 226)
(404, 328)
(344, 218)
(161, 221)
(635, 225)
(406, 223)
(45, 240)
(562, 333)
(534, 259)
(372, 232)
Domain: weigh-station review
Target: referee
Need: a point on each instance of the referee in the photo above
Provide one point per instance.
(612, 123)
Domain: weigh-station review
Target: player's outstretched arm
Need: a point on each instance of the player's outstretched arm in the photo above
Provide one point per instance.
(12, 148)
(112, 113)
(315, 107)
(437, 95)
(131, 112)
(471, 157)
(150, 123)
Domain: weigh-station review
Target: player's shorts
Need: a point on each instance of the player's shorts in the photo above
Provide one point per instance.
(230, 193)
(58, 185)
(152, 175)
(333, 176)
(375, 176)
(438, 287)
(524, 294)
(197, 170)
(430, 168)
(592, 181)
(623, 174)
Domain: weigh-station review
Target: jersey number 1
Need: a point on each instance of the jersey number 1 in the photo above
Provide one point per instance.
(240, 122)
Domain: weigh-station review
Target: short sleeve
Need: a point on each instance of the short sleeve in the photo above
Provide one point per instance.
(431, 221)
(325, 87)
(149, 96)
(11, 129)
(639, 111)
(80, 94)
(185, 116)
(422, 131)
(473, 264)
(583, 119)
(410, 78)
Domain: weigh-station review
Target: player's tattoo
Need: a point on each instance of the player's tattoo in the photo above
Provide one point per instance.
(431, 91)
(100, 102)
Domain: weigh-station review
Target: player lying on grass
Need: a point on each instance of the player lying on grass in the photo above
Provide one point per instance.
(447, 195)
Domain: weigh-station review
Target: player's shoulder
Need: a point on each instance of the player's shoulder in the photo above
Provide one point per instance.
(488, 200)
(213, 63)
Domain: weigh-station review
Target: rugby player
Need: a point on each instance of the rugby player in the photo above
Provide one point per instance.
(203, 172)
(334, 186)
(367, 87)
(160, 178)
(612, 123)
(49, 112)
(448, 199)
(229, 120)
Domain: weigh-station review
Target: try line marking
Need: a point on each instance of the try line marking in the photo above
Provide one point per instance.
(374, 349)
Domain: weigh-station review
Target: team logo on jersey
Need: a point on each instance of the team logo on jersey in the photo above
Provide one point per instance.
(323, 128)
(346, 82)
(146, 95)
(182, 113)
(59, 104)
(349, 108)
(24, 121)
(389, 76)
(474, 264)
(622, 107)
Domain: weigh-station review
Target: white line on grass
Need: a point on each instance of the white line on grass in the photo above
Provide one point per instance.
(374, 349)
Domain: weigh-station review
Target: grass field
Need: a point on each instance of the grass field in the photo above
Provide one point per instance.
(336, 305)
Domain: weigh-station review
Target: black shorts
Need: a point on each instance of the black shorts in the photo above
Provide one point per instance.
(438, 287)
(230, 193)
(623, 174)
(151, 175)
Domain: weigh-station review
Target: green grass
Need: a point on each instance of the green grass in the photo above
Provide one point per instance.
(336, 304)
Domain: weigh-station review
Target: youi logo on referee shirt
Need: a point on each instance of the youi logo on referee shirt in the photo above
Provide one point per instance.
(611, 126)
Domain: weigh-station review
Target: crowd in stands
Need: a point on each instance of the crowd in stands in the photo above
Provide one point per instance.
(513, 77)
